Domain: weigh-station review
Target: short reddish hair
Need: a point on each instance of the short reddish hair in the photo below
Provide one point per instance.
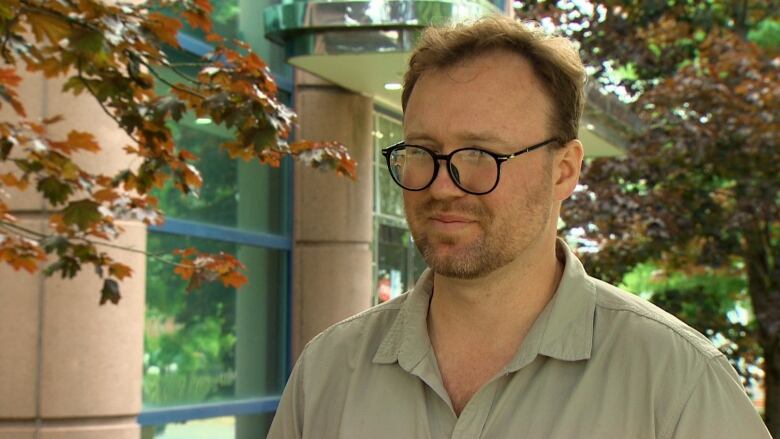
(555, 61)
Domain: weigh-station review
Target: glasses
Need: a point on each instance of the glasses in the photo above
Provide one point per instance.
(474, 170)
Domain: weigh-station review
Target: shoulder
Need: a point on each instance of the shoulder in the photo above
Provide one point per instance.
(359, 335)
(638, 321)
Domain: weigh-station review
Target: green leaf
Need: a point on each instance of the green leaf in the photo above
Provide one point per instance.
(54, 190)
(169, 104)
(56, 243)
(110, 292)
(82, 213)
(74, 84)
(67, 266)
(5, 148)
(89, 42)
(29, 166)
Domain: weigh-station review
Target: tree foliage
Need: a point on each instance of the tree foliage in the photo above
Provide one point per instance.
(696, 194)
(115, 54)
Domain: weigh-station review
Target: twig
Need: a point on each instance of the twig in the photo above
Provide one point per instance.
(105, 110)
(168, 83)
(39, 236)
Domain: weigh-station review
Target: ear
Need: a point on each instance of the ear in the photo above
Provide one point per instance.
(566, 169)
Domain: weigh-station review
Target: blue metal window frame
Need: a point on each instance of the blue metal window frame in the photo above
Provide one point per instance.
(252, 406)
(221, 233)
(203, 411)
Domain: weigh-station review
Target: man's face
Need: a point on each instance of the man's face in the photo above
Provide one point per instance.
(493, 102)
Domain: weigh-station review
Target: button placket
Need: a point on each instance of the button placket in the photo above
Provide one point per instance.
(472, 419)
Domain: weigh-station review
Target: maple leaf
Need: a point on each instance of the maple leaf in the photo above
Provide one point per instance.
(80, 140)
(165, 28)
(82, 213)
(198, 20)
(8, 81)
(9, 77)
(233, 279)
(54, 190)
(54, 28)
(119, 271)
(110, 292)
(12, 180)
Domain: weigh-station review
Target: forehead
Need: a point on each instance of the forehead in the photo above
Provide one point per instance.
(494, 93)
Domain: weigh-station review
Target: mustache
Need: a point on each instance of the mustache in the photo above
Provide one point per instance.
(476, 210)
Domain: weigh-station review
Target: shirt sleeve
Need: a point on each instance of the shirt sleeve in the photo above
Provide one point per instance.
(288, 421)
(718, 407)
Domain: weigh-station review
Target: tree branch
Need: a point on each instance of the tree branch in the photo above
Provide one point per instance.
(39, 236)
(165, 81)
(105, 110)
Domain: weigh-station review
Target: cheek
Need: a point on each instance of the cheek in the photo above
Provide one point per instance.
(412, 201)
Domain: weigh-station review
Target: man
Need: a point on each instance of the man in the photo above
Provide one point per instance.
(505, 335)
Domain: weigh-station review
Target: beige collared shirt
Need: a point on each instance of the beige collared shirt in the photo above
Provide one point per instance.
(597, 363)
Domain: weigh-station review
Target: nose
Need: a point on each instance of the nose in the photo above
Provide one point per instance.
(443, 187)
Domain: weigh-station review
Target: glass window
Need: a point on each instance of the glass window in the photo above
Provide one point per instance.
(397, 263)
(225, 183)
(215, 343)
(389, 199)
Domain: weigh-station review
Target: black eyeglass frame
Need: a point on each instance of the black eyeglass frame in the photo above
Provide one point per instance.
(499, 158)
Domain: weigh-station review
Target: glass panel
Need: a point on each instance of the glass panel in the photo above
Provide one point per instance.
(390, 202)
(399, 263)
(224, 19)
(239, 427)
(216, 343)
(243, 20)
(225, 181)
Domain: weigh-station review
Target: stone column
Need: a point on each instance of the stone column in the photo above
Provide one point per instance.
(69, 368)
(333, 215)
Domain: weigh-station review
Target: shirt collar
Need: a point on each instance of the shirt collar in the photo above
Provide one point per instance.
(563, 330)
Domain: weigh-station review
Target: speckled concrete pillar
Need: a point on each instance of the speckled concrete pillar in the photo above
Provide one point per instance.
(333, 215)
(70, 368)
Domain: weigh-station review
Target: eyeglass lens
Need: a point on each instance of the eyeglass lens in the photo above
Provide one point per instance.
(471, 169)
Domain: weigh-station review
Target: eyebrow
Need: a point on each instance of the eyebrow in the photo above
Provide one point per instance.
(466, 136)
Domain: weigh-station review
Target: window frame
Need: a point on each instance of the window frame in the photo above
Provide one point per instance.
(282, 242)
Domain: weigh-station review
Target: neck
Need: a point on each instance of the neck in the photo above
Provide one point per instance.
(499, 308)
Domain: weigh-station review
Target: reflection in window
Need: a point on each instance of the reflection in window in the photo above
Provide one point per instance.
(397, 263)
(225, 182)
(216, 343)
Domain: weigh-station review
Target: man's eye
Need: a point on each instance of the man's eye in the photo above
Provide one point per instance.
(415, 152)
(473, 155)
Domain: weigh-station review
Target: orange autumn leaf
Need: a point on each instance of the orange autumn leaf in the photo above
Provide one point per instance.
(185, 271)
(11, 180)
(51, 26)
(204, 5)
(28, 264)
(77, 140)
(198, 21)
(215, 38)
(119, 271)
(82, 140)
(105, 195)
(9, 77)
(164, 27)
(233, 279)
(21, 253)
